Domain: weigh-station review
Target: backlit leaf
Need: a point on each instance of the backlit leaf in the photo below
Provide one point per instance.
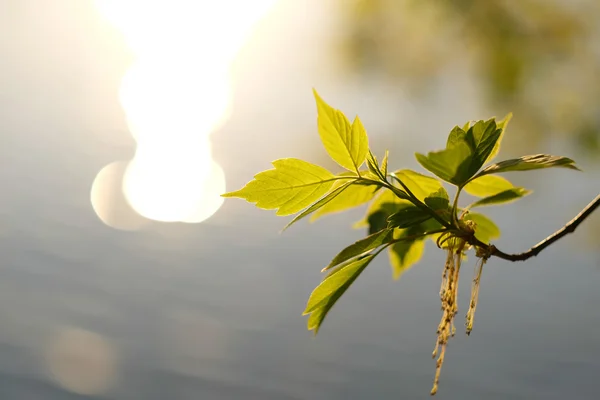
(384, 204)
(456, 136)
(373, 164)
(485, 229)
(487, 185)
(500, 125)
(526, 163)
(405, 254)
(331, 289)
(407, 217)
(420, 185)
(362, 246)
(346, 143)
(384, 163)
(503, 197)
(352, 196)
(452, 164)
(341, 187)
(292, 186)
(438, 200)
(484, 136)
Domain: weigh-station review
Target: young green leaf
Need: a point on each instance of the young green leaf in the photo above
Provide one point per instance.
(407, 217)
(292, 186)
(420, 185)
(484, 136)
(331, 289)
(362, 246)
(452, 164)
(346, 143)
(456, 136)
(505, 196)
(501, 125)
(353, 196)
(527, 163)
(384, 164)
(487, 185)
(405, 253)
(341, 187)
(485, 229)
(383, 205)
(373, 165)
(438, 200)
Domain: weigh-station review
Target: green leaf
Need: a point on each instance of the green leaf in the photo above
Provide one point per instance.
(373, 165)
(456, 136)
(484, 136)
(505, 196)
(361, 247)
(353, 196)
(292, 186)
(487, 185)
(407, 217)
(347, 144)
(331, 289)
(452, 164)
(438, 200)
(405, 254)
(485, 228)
(384, 164)
(420, 185)
(378, 219)
(527, 163)
(385, 204)
(325, 200)
(465, 153)
(501, 125)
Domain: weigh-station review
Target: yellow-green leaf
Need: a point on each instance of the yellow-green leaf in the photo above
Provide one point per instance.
(501, 125)
(347, 144)
(322, 201)
(408, 216)
(485, 229)
(526, 163)
(353, 196)
(452, 164)
(292, 186)
(503, 197)
(420, 185)
(384, 163)
(361, 247)
(487, 185)
(331, 289)
(405, 254)
(385, 201)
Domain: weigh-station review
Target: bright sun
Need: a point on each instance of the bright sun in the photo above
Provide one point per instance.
(174, 95)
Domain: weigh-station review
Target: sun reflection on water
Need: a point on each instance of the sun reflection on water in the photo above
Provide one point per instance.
(174, 95)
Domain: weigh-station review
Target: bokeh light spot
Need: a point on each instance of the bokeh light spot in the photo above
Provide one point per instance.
(82, 362)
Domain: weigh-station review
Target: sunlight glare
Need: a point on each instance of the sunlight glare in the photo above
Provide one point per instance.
(108, 200)
(175, 94)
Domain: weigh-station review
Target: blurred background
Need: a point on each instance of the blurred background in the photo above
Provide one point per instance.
(124, 274)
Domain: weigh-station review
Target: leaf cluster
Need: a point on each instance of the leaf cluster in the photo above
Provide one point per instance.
(405, 207)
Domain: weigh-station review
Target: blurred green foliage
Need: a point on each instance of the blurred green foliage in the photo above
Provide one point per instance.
(538, 58)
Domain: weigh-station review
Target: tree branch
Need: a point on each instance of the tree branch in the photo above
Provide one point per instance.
(535, 250)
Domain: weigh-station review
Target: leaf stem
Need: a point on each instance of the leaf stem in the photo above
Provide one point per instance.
(455, 205)
(535, 250)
